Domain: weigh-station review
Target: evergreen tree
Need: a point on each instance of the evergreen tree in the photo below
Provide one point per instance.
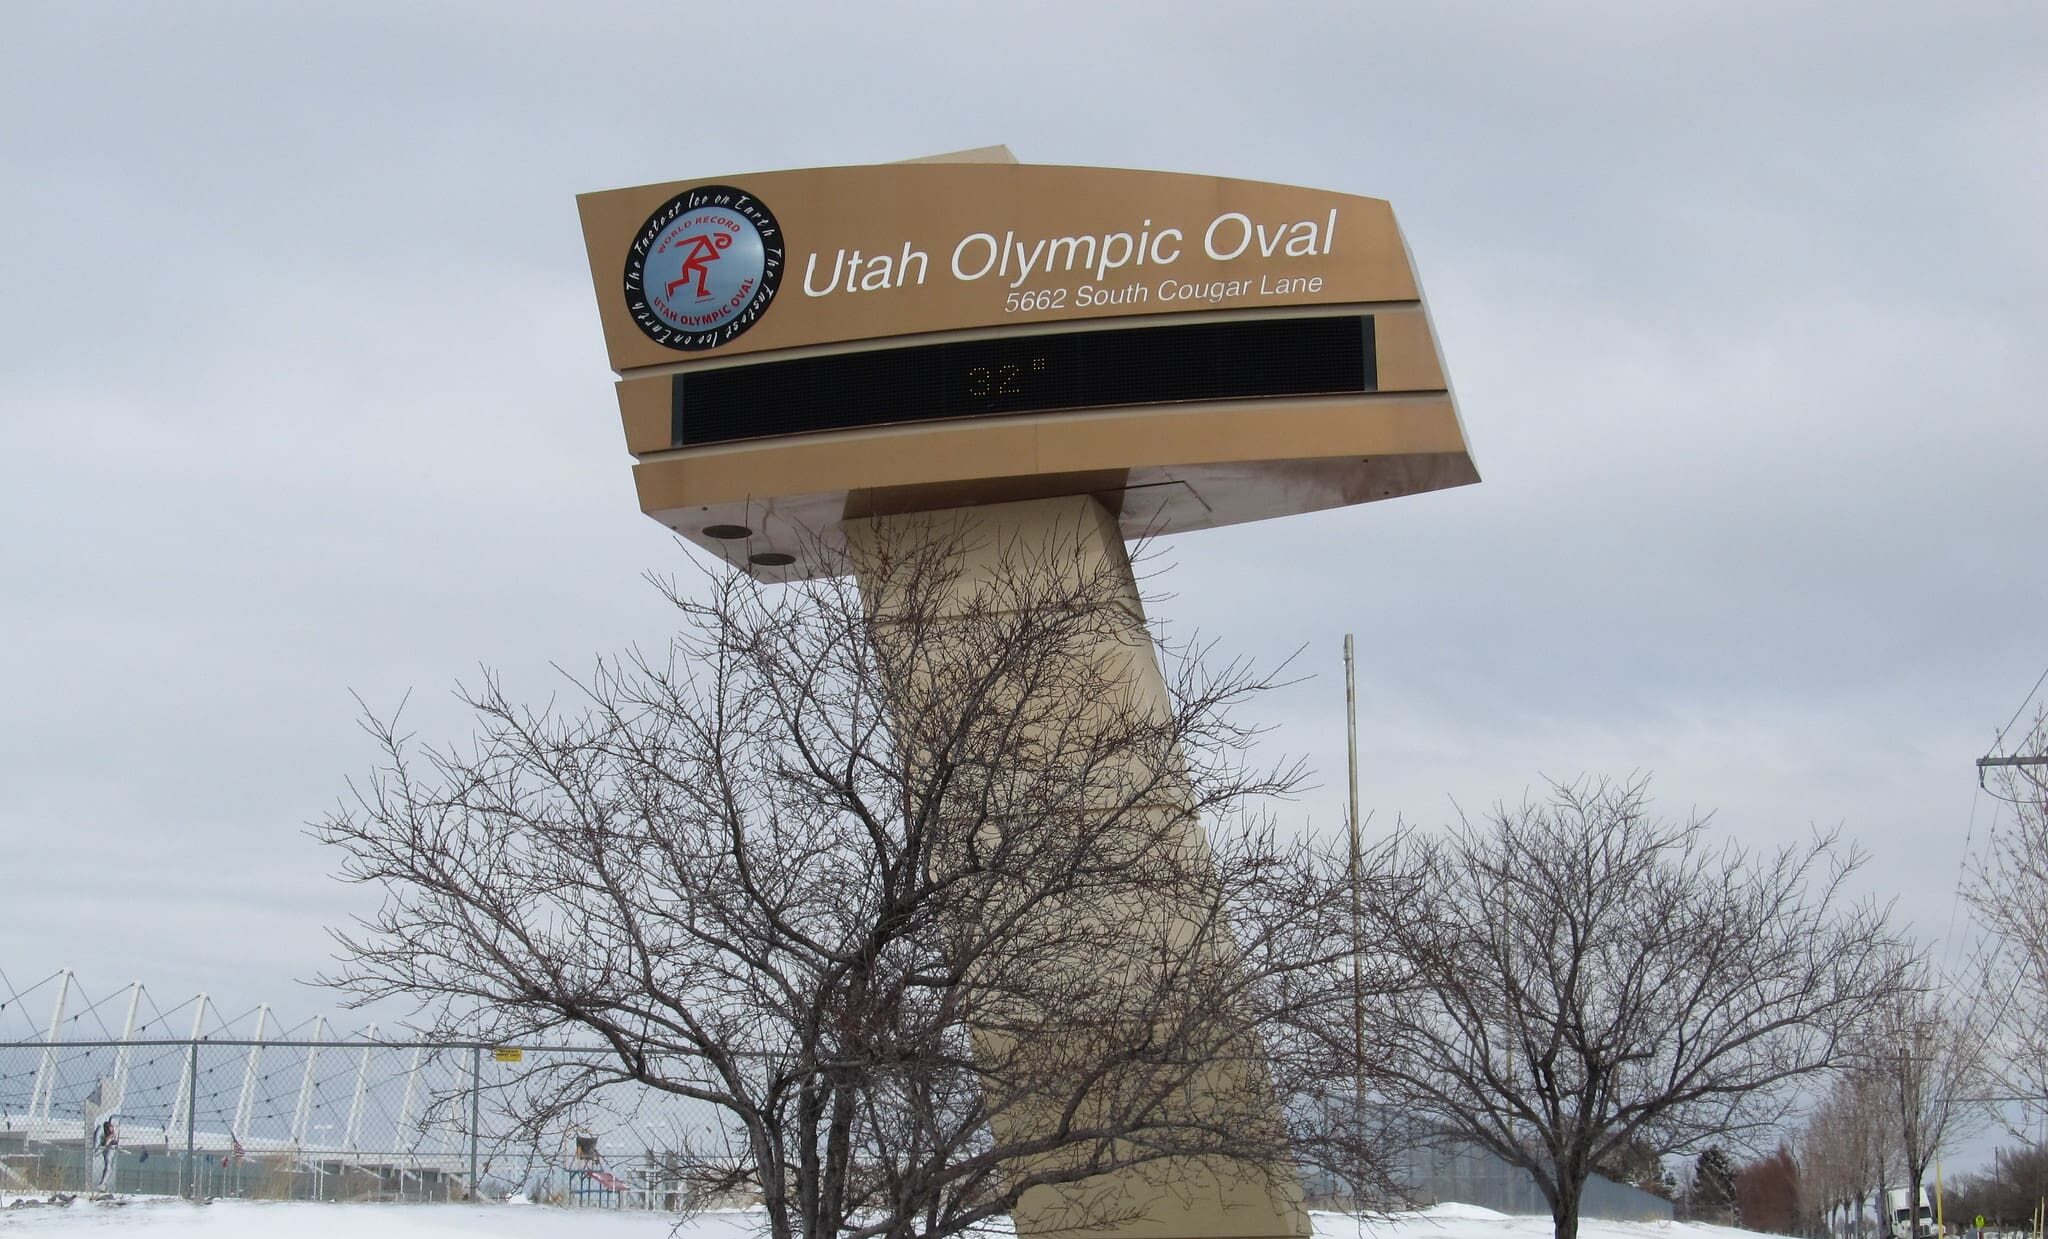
(1713, 1187)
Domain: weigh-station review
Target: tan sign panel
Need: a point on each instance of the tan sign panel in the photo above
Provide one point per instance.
(803, 348)
(777, 260)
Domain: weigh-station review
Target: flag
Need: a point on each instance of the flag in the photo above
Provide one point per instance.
(238, 1145)
(94, 1106)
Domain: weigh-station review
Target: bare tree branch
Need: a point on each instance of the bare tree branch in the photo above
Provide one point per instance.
(868, 882)
(1587, 977)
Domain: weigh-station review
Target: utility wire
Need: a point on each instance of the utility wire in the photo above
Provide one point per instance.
(1995, 744)
(1962, 874)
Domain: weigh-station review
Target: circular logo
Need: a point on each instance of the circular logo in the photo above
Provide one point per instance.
(704, 267)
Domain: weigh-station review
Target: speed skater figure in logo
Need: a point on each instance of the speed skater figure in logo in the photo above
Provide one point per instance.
(703, 251)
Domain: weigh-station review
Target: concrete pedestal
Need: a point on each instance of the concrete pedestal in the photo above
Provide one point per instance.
(1181, 1199)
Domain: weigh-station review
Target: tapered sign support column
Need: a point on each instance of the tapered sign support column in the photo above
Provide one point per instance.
(1188, 1198)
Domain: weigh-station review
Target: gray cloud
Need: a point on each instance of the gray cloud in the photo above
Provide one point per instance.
(301, 392)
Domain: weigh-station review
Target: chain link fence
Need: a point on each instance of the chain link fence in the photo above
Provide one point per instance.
(331, 1120)
(233, 1112)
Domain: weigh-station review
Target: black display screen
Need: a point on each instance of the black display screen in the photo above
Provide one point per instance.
(1236, 360)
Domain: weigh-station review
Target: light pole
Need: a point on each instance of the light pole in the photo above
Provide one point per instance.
(1357, 908)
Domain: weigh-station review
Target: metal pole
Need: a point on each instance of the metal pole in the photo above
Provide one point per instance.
(412, 1076)
(1939, 1221)
(46, 1073)
(191, 1118)
(121, 1060)
(355, 1105)
(476, 1086)
(248, 1094)
(1357, 910)
(304, 1110)
(198, 1027)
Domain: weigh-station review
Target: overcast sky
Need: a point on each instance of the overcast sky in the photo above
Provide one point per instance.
(302, 394)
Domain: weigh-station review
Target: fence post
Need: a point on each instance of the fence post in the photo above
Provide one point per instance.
(476, 1085)
(191, 1118)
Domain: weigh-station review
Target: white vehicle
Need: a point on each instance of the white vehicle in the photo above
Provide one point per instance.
(1899, 1218)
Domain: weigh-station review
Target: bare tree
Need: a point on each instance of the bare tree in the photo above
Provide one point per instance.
(2008, 877)
(1849, 1145)
(1826, 1171)
(928, 936)
(1584, 975)
(1928, 1061)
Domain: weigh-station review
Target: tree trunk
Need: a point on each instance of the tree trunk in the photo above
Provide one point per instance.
(838, 1154)
(1564, 1205)
(765, 1142)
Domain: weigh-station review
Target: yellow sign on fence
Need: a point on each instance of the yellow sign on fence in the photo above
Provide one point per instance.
(508, 1054)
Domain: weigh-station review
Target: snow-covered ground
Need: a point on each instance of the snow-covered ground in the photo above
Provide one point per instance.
(250, 1219)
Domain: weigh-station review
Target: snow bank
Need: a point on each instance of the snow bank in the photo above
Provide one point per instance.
(258, 1219)
(253, 1219)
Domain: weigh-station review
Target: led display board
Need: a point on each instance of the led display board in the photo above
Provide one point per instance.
(1236, 359)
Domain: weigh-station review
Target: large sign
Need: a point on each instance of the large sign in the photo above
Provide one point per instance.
(811, 362)
(797, 349)
(781, 260)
